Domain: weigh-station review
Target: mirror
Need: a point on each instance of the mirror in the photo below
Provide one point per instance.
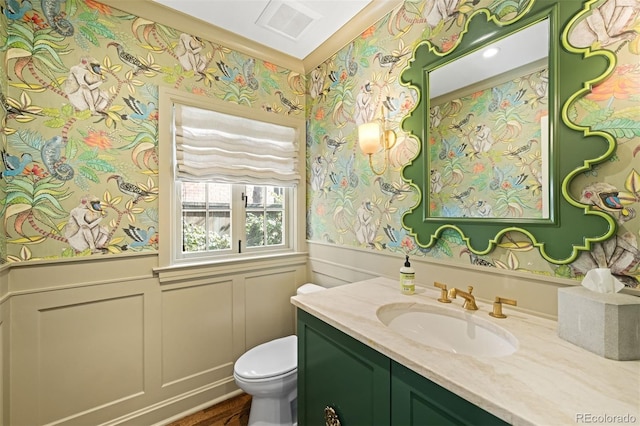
(498, 151)
(489, 130)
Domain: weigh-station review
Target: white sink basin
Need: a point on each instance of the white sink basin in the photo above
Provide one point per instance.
(457, 331)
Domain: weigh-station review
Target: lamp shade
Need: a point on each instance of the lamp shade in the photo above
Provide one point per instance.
(369, 137)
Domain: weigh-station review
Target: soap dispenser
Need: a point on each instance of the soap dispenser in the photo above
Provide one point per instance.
(407, 277)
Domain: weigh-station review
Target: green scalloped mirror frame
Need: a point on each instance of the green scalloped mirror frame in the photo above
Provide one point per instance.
(572, 226)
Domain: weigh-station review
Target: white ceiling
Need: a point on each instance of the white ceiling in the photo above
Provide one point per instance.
(309, 22)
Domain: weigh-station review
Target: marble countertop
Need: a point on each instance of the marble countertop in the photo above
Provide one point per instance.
(547, 381)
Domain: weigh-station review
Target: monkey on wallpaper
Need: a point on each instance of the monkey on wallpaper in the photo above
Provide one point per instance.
(440, 10)
(364, 111)
(365, 227)
(83, 230)
(189, 53)
(83, 86)
(607, 24)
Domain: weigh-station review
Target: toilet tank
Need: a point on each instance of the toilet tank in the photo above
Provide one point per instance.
(309, 288)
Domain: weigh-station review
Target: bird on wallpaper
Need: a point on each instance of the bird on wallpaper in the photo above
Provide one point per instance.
(388, 61)
(464, 194)
(140, 237)
(459, 125)
(612, 201)
(497, 178)
(56, 17)
(607, 197)
(287, 103)
(496, 99)
(136, 64)
(390, 189)
(392, 105)
(352, 177)
(352, 66)
(14, 165)
(476, 260)
(333, 144)
(334, 76)
(517, 181)
(248, 70)
(228, 74)
(129, 188)
(140, 111)
(521, 150)
(16, 10)
(447, 150)
(395, 236)
(54, 160)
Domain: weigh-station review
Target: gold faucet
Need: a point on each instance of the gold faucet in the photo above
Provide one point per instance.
(443, 292)
(469, 300)
(497, 306)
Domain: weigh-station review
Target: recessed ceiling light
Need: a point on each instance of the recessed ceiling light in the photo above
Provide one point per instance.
(490, 52)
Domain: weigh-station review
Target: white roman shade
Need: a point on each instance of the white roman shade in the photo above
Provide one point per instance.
(219, 147)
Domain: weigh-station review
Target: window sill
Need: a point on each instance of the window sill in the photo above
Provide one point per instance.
(224, 266)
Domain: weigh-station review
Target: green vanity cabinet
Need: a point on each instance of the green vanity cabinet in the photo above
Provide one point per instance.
(336, 370)
(418, 401)
(365, 387)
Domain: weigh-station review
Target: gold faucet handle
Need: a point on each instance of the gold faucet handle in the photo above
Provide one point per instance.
(444, 297)
(497, 306)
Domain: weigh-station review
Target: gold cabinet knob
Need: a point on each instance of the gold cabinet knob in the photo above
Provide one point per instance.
(331, 417)
(497, 306)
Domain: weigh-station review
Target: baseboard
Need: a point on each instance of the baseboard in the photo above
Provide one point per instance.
(179, 406)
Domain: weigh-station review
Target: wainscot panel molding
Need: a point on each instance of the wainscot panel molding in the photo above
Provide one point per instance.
(4, 282)
(332, 265)
(4, 363)
(178, 273)
(38, 276)
(103, 341)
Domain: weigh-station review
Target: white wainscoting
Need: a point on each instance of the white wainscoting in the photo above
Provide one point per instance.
(110, 342)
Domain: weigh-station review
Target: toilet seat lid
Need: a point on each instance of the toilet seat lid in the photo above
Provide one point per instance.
(274, 358)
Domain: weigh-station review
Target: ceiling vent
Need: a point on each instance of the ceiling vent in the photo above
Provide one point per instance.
(287, 18)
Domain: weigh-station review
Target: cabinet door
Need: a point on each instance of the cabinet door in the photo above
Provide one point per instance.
(335, 370)
(418, 401)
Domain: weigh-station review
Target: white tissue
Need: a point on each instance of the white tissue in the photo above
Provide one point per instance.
(600, 280)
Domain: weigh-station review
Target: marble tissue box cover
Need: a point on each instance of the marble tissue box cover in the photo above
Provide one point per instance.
(607, 324)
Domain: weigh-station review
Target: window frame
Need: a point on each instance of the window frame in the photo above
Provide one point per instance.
(170, 216)
(238, 221)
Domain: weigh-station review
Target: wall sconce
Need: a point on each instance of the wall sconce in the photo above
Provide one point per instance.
(373, 136)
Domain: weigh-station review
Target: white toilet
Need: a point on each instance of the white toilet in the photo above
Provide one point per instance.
(268, 372)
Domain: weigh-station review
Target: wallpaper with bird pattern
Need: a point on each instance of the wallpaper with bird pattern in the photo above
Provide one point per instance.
(489, 162)
(349, 205)
(79, 128)
(80, 124)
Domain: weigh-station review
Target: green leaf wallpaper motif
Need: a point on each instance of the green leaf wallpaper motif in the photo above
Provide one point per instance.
(367, 212)
(80, 94)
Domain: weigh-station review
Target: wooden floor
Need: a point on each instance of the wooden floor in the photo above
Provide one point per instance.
(232, 412)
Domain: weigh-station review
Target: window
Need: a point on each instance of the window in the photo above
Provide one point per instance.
(220, 218)
(234, 178)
